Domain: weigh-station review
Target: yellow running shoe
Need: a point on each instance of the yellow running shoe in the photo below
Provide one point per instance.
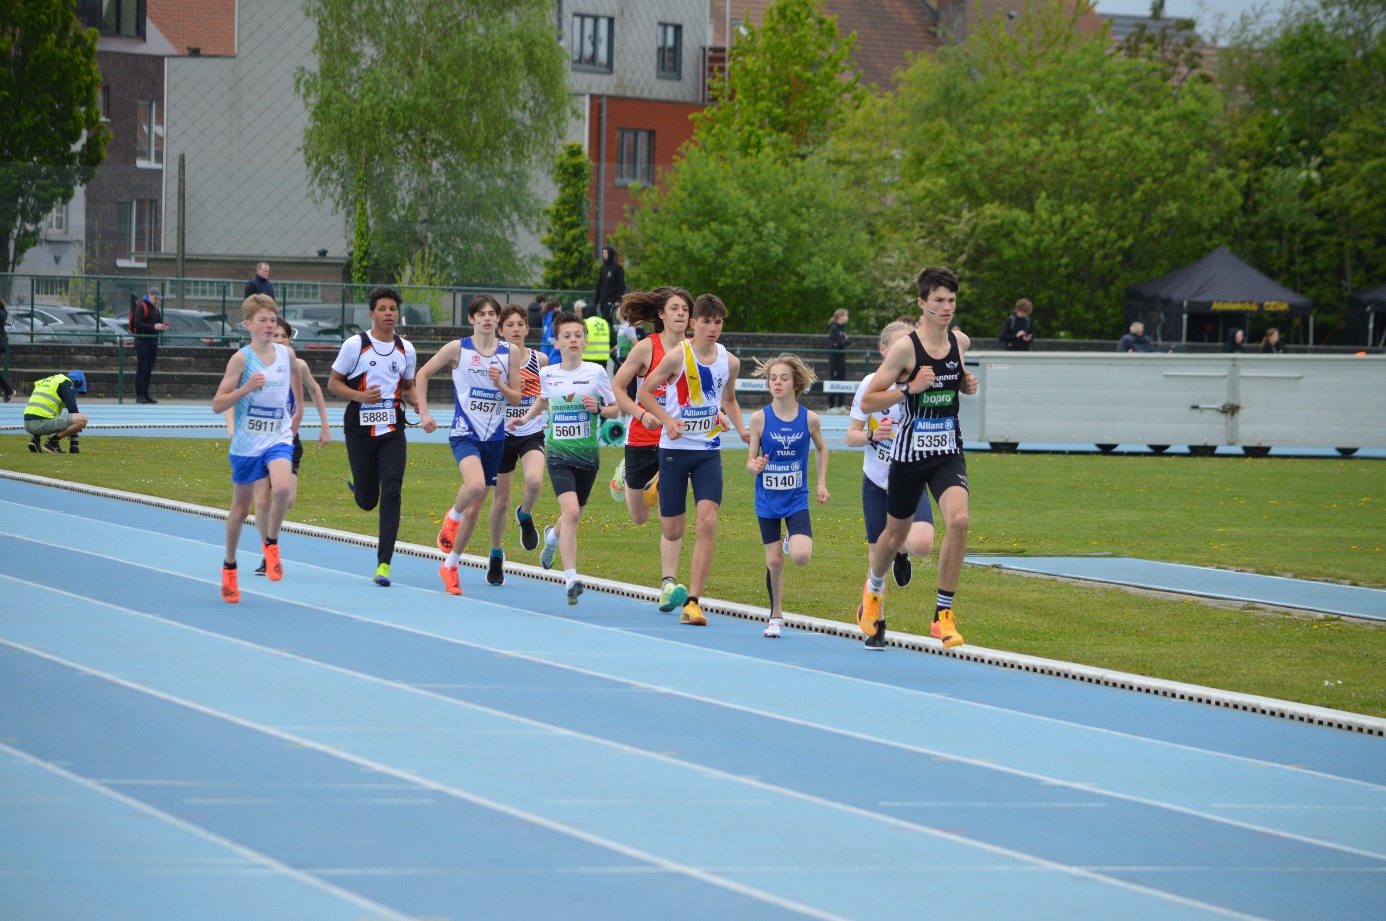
(693, 615)
(652, 491)
(869, 611)
(946, 629)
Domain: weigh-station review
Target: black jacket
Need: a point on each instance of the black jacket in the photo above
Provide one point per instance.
(611, 283)
(1014, 324)
(144, 317)
(258, 285)
(1133, 343)
(837, 336)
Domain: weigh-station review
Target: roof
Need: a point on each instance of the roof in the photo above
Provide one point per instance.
(1376, 297)
(209, 26)
(1218, 281)
(888, 32)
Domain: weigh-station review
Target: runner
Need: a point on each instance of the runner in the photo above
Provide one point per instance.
(258, 382)
(284, 335)
(523, 443)
(875, 432)
(784, 429)
(482, 368)
(576, 394)
(927, 368)
(374, 372)
(703, 375)
(666, 310)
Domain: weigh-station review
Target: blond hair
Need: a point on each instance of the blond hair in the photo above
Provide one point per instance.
(803, 375)
(891, 328)
(256, 303)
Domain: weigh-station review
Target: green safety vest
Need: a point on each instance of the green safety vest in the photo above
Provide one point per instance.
(44, 402)
(598, 340)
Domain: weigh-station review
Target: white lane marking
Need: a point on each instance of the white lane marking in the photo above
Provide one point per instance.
(253, 856)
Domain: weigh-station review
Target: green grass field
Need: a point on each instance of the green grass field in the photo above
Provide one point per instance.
(1314, 519)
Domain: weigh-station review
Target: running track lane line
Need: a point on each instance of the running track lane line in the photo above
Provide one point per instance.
(448, 789)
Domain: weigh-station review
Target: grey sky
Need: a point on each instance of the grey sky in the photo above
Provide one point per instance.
(1193, 9)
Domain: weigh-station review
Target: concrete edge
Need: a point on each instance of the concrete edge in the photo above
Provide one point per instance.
(1231, 700)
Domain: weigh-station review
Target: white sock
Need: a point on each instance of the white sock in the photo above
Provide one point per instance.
(552, 539)
(875, 583)
(454, 515)
(569, 577)
(452, 559)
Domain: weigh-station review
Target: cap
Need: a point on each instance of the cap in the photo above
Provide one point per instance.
(79, 381)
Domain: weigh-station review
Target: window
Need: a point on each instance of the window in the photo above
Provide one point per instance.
(204, 289)
(123, 17)
(57, 219)
(592, 43)
(137, 227)
(149, 139)
(669, 64)
(635, 156)
(105, 103)
(50, 286)
(301, 292)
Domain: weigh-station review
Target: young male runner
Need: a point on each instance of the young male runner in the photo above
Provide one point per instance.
(524, 444)
(700, 382)
(374, 372)
(924, 373)
(258, 381)
(483, 369)
(577, 394)
(666, 310)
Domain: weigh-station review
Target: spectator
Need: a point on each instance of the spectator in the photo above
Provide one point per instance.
(1270, 342)
(626, 337)
(1235, 338)
(837, 358)
(546, 343)
(1018, 331)
(260, 283)
(146, 322)
(611, 284)
(1135, 340)
(52, 411)
(4, 347)
(534, 312)
(599, 343)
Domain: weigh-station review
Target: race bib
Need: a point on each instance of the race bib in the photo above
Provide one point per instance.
(883, 449)
(483, 401)
(518, 412)
(935, 435)
(378, 413)
(264, 420)
(570, 426)
(781, 478)
(699, 420)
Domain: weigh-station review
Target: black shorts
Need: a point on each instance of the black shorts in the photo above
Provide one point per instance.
(572, 479)
(642, 463)
(298, 453)
(516, 447)
(678, 468)
(908, 481)
(797, 523)
(874, 503)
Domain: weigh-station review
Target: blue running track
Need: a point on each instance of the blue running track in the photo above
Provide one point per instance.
(329, 749)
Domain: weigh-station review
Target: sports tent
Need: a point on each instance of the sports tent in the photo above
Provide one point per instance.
(1210, 292)
(1362, 324)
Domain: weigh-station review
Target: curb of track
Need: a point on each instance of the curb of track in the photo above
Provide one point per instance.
(1193, 693)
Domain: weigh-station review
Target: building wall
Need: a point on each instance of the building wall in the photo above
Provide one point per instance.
(634, 71)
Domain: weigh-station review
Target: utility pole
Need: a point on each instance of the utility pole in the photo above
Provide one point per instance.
(182, 225)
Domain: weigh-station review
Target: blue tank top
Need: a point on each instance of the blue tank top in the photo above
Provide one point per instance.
(782, 488)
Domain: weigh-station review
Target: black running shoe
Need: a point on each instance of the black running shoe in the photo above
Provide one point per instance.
(52, 446)
(34, 445)
(529, 534)
(877, 641)
(902, 569)
(495, 571)
(260, 570)
(574, 590)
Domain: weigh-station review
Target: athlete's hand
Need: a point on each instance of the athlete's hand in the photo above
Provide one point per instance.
(589, 403)
(426, 421)
(757, 464)
(886, 427)
(969, 383)
(494, 373)
(648, 420)
(514, 422)
(324, 435)
(370, 395)
(823, 493)
(923, 379)
(745, 435)
(254, 382)
(674, 429)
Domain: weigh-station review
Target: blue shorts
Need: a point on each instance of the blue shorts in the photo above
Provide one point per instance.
(253, 467)
(679, 468)
(797, 523)
(874, 504)
(489, 452)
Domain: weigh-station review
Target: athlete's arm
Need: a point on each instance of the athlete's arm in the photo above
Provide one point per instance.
(894, 370)
(609, 407)
(296, 388)
(729, 402)
(448, 354)
(968, 385)
(820, 454)
(635, 363)
(325, 433)
(755, 461)
(663, 373)
(228, 394)
(230, 423)
(512, 394)
(540, 405)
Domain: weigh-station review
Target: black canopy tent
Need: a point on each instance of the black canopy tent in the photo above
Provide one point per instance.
(1217, 285)
(1362, 311)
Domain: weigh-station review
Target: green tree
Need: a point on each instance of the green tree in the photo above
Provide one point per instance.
(1037, 164)
(752, 210)
(570, 264)
(53, 139)
(435, 113)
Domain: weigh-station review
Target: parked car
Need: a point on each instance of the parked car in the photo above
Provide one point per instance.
(115, 330)
(18, 331)
(193, 328)
(320, 334)
(74, 325)
(358, 316)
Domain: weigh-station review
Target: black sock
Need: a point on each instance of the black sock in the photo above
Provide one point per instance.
(945, 600)
(693, 598)
(271, 541)
(667, 580)
(228, 565)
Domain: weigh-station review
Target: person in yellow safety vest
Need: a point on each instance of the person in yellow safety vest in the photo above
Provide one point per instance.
(598, 335)
(52, 411)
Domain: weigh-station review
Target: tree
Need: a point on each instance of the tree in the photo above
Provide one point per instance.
(1037, 164)
(570, 264)
(53, 139)
(435, 113)
(751, 210)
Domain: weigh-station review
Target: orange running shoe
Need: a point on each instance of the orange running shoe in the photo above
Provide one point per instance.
(946, 629)
(869, 611)
(451, 583)
(447, 534)
(273, 569)
(230, 591)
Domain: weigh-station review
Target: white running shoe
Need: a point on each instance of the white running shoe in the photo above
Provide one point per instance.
(550, 548)
(773, 627)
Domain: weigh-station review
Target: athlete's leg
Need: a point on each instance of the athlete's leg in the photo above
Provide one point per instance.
(284, 486)
(892, 538)
(800, 528)
(362, 455)
(262, 505)
(467, 505)
(703, 546)
(500, 505)
(569, 514)
(919, 541)
(953, 508)
(774, 573)
(241, 496)
(532, 466)
(391, 459)
(673, 509)
(635, 505)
